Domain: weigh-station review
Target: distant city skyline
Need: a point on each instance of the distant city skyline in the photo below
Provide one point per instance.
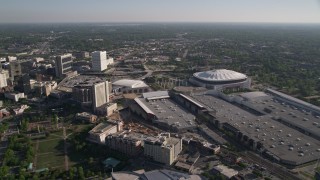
(62, 11)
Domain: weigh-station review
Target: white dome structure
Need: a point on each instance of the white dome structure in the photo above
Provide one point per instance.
(220, 75)
(130, 83)
(125, 86)
(220, 79)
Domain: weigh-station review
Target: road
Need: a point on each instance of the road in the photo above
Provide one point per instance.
(148, 71)
(41, 50)
(185, 54)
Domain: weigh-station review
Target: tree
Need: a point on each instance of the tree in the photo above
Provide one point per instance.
(81, 173)
(24, 125)
(3, 127)
(4, 170)
(71, 173)
(90, 160)
(8, 156)
(21, 177)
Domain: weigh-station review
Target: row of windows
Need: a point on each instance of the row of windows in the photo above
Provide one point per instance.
(65, 60)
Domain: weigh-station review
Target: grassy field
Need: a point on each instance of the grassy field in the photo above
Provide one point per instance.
(49, 151)
(50, 161)
(52, 145)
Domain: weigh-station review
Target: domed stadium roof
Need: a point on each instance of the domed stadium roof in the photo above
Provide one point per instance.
(130, 83)
(219, 75)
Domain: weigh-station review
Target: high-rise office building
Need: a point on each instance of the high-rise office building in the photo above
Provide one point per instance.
(63, 65)
(91, 91)
(100, 94)
(100, 60)
(15, 69)
(3, 80)
(24, 84)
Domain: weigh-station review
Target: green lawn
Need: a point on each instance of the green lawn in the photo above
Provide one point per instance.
(51, 160)
(50, 153)
(53, 145)
(80, 127)
(58, 133)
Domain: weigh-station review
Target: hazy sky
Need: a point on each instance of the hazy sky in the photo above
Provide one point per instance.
(13, 11)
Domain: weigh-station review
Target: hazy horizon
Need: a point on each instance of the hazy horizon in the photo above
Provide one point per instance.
(150, 11)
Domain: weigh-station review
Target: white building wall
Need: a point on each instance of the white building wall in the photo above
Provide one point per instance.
(12, 58)
(162, 153)
(104, 135)
(3, 80)
(99, 60)
(100, 94)
(110, 60)
(13, 96)
(63, 64)
(3, 59)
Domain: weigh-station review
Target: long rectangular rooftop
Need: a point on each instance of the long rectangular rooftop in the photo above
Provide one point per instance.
(289, 113)
(284, 142)
(170, 113)
(100, 128)
(293, 99)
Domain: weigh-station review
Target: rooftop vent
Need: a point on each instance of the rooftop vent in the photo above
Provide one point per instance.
(282, 143)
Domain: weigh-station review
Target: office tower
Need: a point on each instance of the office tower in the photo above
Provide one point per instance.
(100, 94)
(100, 60)
(91, 91)
(24, 84)
(3, 80)
(63, 65)
(15, 69)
